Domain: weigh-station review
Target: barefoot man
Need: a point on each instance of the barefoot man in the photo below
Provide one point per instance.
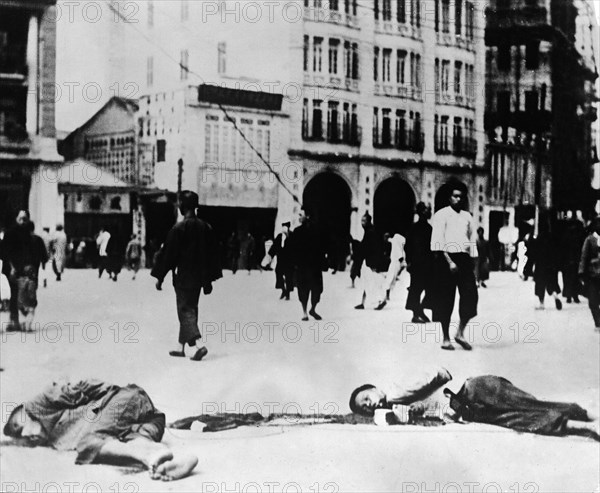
(106, 424)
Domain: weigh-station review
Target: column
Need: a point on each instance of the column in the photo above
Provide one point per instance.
(32, 77)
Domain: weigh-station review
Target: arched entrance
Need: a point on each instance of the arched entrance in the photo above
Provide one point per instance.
(329, 199)
(394, 206)
(442, 197)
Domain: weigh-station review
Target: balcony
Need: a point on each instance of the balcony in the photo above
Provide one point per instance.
(398, 90)
(507, 18)
(330, 80)
(330, 16)
(348, 134)
(402, 140)
(464, 147)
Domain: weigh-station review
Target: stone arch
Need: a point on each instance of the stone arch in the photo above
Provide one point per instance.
(394, 205)
(329, 198)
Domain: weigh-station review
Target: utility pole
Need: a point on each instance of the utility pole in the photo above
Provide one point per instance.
(179, 175)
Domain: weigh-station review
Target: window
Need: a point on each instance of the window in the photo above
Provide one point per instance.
(445, 76)
(334, 5)
(415, 71)
(445, 16)
(346, 122)
(375, 126)
(503, 102)
(386, 128)
(444, 134)
(386, 13)
(376, 64)
(457, 78)
(305, 54)
(532, 52)
(305, 119)
(354, 126)
(376, 9)
(457, 138)
(436, 133)
(469, 20)
(531, 101)
(348, 4)
(347, 60)
(150, 13)
(417, 140)
(355, 61)
(415, 13)
(504, 57)
(149, 71)
(332, 122)
(317, 54)
(401, 11)
(386, 69)
(222, 57)
(333, 55)
(161, 150)
(400, 66)
(183, 65)
(436, 16)
(185, 10)
(317, 120)
(400, 129)
(458, 17)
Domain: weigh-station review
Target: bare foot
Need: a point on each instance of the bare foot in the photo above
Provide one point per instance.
(152, 454)
(177, 468)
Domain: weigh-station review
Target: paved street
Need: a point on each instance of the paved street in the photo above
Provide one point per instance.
(261, 357)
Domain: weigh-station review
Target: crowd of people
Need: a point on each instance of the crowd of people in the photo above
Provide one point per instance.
(443, 257)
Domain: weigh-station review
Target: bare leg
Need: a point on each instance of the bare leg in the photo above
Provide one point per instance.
(150, 454)
(460, 335)
(304, 310)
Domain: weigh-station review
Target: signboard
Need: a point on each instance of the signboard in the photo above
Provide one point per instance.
(239, 97)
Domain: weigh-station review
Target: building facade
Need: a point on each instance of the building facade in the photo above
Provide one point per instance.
(28, 157)
(384, 98)
(110, 140)
(540, 95)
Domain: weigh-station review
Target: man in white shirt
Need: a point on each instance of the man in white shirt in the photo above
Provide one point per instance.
(453, 240)
(102, 242)
(397, 262)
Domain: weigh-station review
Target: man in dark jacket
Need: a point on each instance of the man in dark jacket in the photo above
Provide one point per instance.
(284, 269)
(589, 270)
(22, 253)
(190, 251)
(419, 259)
(307, 254)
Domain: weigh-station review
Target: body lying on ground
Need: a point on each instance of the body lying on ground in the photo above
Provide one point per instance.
(105, 423)
(486, 399)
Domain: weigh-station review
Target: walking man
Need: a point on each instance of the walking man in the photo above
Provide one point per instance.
(102, 242)
(589, 270)
(133, 255)
(397, 262)
(372, 248)
(23, 254)
(307, 254)
(190, 251)
(283, 269)
(419, 262)
(452, 243)
(58, 247)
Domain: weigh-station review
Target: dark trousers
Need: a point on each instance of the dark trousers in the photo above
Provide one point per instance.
(187, 311)
(14, 300)
(418, 284)
(309, 283)
(570, 281)
(593, 286)
(546, 280)
(446, 284)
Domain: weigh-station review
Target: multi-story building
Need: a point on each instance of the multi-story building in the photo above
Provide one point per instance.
(539, 114)
(28, 155)
(110, 140)
(382, 97)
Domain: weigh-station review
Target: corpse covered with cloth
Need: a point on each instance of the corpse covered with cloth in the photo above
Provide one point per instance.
(105, 423)
(485, 399)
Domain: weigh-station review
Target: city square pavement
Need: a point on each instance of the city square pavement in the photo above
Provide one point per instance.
(263, 358)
